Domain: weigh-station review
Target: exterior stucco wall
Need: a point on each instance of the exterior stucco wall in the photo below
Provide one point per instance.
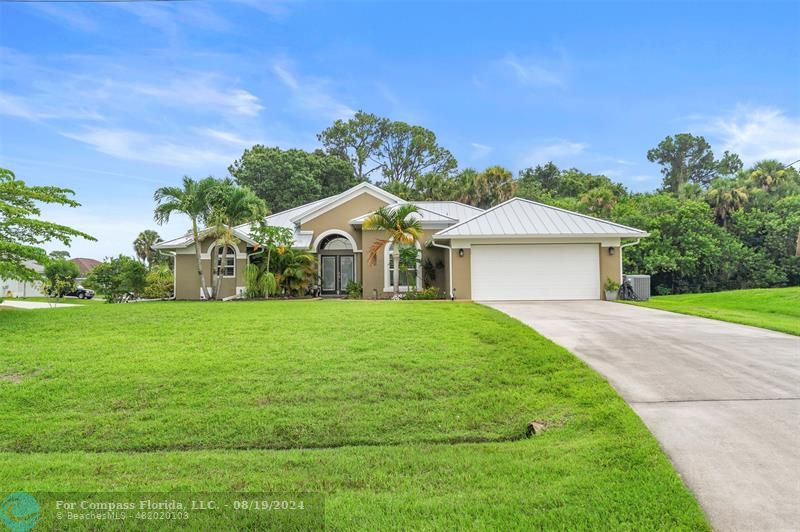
(373, 275)
(187, 282)
(339, 217)
(610, 266)
(462, 280)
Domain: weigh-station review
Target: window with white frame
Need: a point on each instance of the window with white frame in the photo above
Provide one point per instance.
(229, 269)
(408, 271)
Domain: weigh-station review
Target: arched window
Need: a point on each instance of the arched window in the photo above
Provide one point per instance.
(229, 269)
(336, 243)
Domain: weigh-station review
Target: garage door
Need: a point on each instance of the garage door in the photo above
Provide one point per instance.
(535, 271)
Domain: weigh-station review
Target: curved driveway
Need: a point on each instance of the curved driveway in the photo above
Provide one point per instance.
(722, 399)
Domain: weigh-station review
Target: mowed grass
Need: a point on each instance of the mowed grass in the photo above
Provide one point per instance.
(770, 308)
(404, 415)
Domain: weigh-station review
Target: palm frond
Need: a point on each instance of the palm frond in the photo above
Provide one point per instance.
(381, 219)
(374, 249)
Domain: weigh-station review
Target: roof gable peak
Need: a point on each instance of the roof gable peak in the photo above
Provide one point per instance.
(339, 199)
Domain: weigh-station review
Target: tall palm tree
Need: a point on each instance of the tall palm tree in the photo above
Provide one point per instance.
(726, 199)
(492, 186)
(464, 187)
(143, 246)
(231, 205)
(192, 201)
(401, 227)
(767, 174)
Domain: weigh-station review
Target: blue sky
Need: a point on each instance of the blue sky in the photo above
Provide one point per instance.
(114, 100)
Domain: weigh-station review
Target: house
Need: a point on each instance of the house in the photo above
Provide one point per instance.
(14, 288)
(519, 249)
(84, 266)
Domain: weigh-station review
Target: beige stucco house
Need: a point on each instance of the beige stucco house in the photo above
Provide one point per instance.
(519, 249)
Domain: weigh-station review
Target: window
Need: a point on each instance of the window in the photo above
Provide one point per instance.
(409, 270)
(230, 262)
(336, 243)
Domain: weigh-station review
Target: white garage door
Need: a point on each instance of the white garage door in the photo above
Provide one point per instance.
(535, 271)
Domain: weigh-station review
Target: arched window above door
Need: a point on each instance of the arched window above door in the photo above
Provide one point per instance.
(336, 243)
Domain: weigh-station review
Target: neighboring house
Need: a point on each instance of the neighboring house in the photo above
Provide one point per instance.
(85, 266)
(519, 249)
(14, 288)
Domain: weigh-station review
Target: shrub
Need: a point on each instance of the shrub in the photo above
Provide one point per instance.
(611, 285)
(254, 282)
(427, 293)
(354, 290)
(117, 277)
(159, 282)
(61, 275)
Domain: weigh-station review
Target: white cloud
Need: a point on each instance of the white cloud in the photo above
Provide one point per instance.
(156, 149)
(201, 91)
(226, 136)
(479, 151)
(277, 9)
(172, 18)
(286, 77)
(73, 15)
(535, 72)
(756, 133)
(311, 95)
(94, 87)
(610, 173)
(558, 151)
(40, 108)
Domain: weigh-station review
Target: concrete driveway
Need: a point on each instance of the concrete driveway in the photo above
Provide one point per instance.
(723, 399)
(33, 305)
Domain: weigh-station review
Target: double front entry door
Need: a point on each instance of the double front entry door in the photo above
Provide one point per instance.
(336, 272)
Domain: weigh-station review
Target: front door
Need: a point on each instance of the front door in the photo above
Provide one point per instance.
(336, 272)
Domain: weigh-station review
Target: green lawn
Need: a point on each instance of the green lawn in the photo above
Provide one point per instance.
(771, 308)
(404, 415)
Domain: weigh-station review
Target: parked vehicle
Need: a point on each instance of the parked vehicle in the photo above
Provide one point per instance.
(79, 292)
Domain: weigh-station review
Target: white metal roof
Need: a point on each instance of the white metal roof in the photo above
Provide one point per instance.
(519, 217)
(180, 242)
(242, 232)
(452, 209)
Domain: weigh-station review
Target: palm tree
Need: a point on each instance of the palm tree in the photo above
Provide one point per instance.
(231, 205)
(464, 186)
(143, 247)
(191, 200)
(599, 201)
(767, 174)
(492, 186)
(726, 199)
(294, 269)
(401, 227)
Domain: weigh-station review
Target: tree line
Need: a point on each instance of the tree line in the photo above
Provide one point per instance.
(714, 224)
